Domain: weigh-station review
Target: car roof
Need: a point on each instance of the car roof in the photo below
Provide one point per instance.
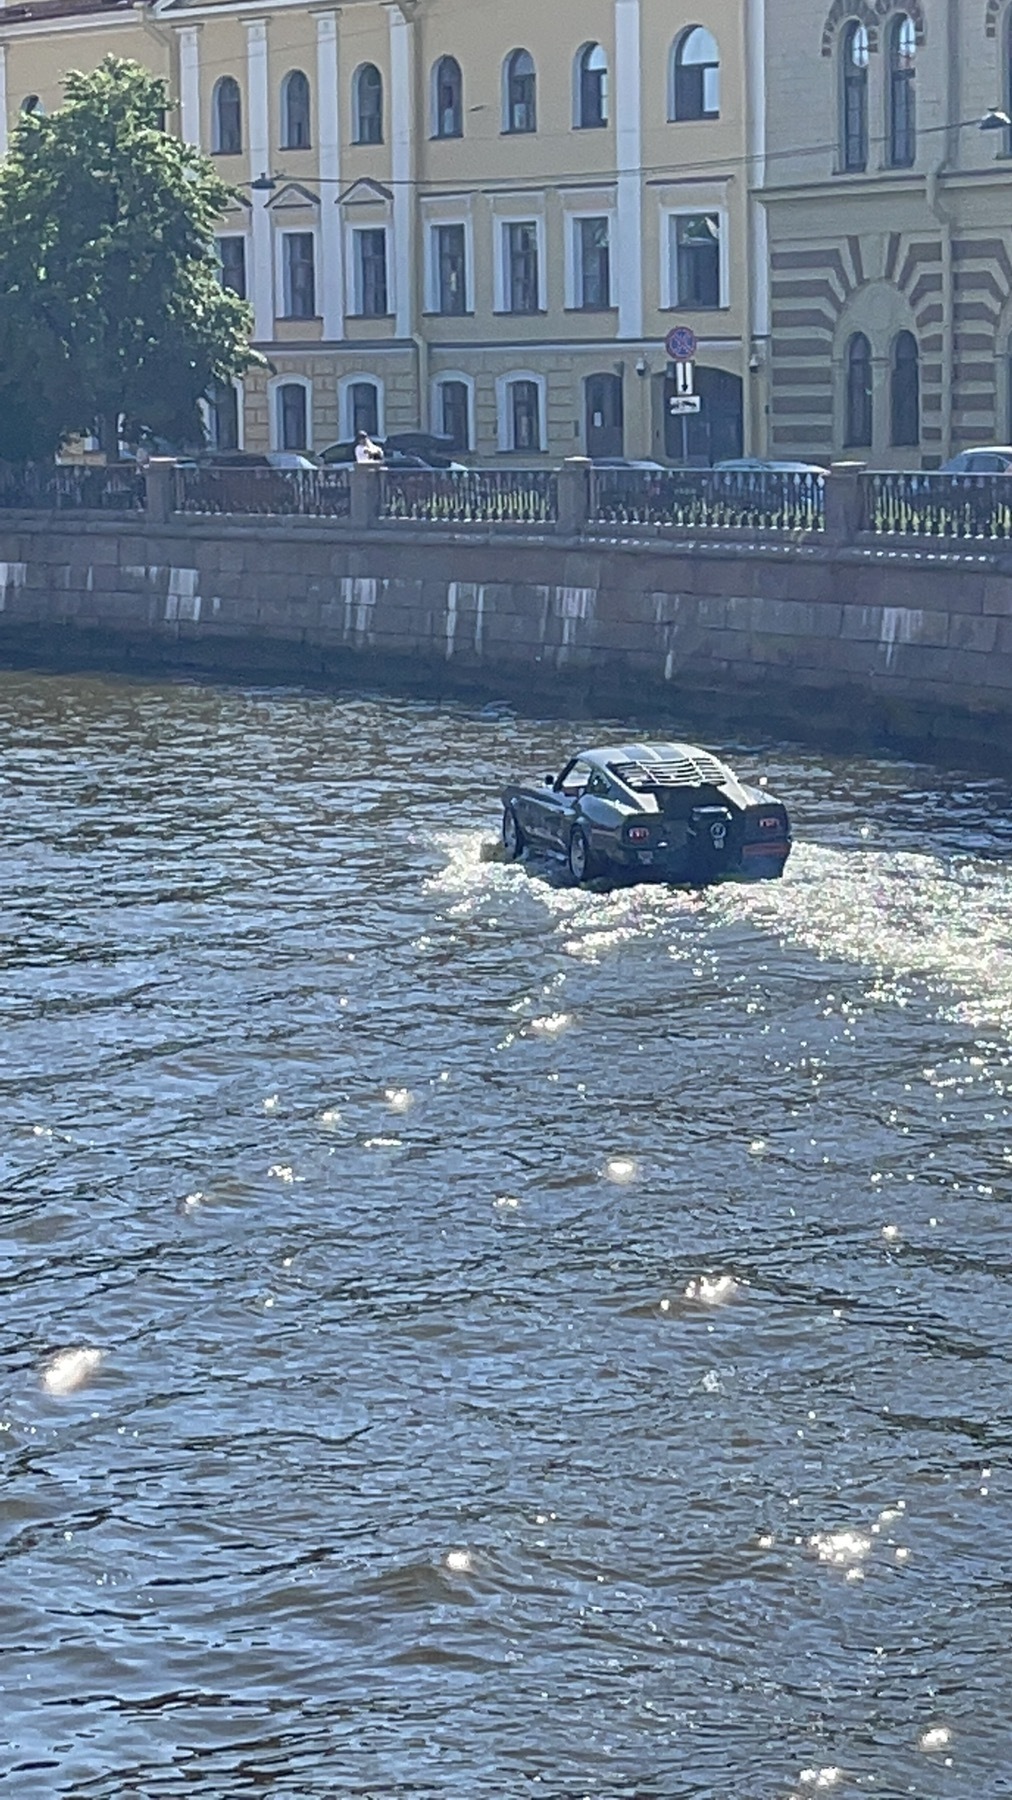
(985, 450)
(658, 763)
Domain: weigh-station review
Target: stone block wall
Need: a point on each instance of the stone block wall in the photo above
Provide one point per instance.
(867, 642)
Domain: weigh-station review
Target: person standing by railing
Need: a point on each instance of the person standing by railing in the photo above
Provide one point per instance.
(366, 450)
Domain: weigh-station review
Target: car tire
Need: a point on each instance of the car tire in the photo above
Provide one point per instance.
(583, 864)
(513, 840)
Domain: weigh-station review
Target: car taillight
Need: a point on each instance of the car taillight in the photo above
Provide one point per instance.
(638, 834)
(771, 822)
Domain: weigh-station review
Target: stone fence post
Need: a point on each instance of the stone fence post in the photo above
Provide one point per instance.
(365, 495)
(574, 496)
(160, 489)
(843, 502)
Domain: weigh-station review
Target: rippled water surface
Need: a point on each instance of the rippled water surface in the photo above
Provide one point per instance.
(465, 1336)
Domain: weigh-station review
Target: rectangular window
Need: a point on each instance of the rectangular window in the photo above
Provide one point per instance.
(371, 273)
(521, 249)
(450, 260)
(300, 276)
(695, 259)
(593, 273)
(232, 263)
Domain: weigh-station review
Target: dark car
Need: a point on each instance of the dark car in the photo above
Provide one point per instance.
(667, 812)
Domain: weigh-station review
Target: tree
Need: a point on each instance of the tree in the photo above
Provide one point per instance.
(111, 303)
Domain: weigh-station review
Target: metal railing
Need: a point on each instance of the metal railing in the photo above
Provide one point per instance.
(470, 496)
(712, 499)
(47, 486)
(902, 504)
(300, 493)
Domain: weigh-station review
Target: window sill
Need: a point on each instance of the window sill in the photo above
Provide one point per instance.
(445, 137)
(366, 143)
(434, 313)
(696, 119)
(528, 131)
(293, 149)
(694, 306)
(607, 307)
(228, 153)
(363, 315)
(507, 312)
(299, 318)
(598, 125)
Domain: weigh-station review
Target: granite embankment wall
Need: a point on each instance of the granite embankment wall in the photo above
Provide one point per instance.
(914, 645)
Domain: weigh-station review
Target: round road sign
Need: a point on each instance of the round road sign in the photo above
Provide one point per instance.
(680, 343)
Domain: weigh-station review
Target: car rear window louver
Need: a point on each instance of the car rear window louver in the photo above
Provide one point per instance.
(682, 771)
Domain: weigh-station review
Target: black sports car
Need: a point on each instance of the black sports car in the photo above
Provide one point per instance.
(665, 812)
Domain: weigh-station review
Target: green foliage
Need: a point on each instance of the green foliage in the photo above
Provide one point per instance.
(110, 297)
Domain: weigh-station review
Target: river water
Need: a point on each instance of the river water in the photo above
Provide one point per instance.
(464, 1336)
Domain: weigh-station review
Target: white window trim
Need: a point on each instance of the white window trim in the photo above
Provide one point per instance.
(356, 114)
(283, 111)
(281, 297)
(431, 271)
(436, 411)
(434, 120)
(353, 285)
(572, 253)
(669, 299)
(344, 414)
(501, 262)
(504, 413)
(275, 383)
(577, 84)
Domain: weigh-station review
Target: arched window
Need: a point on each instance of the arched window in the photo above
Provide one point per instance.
(295, 132)
(905, 391)
(360, 407)
(367, 105)
(453, 411)
(519, 110)
(854, 98)
(590, 97)
(226, 117)
(293, 420)
(223, 416)
(857, 424)
(447, 99)
(363, 404)
(695, 76)
(902, 123)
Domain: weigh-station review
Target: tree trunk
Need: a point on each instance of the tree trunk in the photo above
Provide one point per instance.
(108, 435)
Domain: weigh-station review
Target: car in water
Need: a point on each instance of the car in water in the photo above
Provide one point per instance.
(649, 811)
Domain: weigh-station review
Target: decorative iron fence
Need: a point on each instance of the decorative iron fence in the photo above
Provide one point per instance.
(47, 486)
(301, 493)
(937, 506)
(471, 496)
(711, 499)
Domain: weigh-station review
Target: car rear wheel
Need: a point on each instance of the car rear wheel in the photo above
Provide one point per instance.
(512, 836)
(583, 864)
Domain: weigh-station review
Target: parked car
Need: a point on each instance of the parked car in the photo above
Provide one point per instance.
(627, 462)
(758, 464)
(666, 812)
(255, 459)
(405, 450)
(985, 459)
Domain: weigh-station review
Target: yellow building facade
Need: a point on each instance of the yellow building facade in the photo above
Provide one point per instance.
(466, 218)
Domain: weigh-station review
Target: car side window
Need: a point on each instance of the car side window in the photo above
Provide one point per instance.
(599, 784)
(576, 780)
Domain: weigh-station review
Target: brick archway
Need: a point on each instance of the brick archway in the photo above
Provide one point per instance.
(871, 14)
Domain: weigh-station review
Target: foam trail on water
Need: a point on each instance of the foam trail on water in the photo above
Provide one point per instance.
(70, 1369)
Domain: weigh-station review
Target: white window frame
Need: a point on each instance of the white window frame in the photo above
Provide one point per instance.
(352, 273)
(281, 273)
(275, 383)
(363, 377)
(435, 405)
(500, 256)
(571, 248)
(669, 296)
(504, 409)
(431, 269)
